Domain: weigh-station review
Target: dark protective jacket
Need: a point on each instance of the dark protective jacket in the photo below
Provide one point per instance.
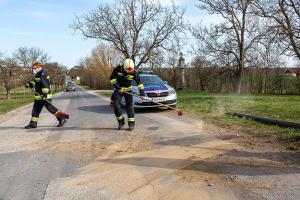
(121, 80)
(42, 85)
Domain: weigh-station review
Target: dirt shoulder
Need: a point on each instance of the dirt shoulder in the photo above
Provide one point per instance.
(256, 167)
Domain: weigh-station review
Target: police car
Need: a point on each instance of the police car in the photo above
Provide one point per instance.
(156, 90)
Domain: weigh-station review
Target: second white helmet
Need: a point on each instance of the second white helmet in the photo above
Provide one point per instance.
(128, 65)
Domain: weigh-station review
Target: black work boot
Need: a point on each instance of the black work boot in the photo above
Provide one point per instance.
(121, 124)
(131, 127)
(62, 122)
(32, 124)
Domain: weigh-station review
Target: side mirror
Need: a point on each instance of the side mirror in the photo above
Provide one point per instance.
(165, 82)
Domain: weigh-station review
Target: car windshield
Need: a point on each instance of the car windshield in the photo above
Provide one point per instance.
(149, 80)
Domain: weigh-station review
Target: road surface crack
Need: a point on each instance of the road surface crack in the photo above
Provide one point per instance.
(44, 193)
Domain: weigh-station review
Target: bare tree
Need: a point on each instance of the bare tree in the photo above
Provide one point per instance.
(57, 74)
(94, 71)
(134, 27)
(284, 21)
(26, 56)
(8, 71)
(227, 43)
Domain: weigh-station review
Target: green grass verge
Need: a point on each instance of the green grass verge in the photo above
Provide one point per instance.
(212, 107)
(19, 97)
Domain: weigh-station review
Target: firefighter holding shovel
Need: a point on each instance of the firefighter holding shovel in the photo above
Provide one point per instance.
(43, 97)
(121, 78)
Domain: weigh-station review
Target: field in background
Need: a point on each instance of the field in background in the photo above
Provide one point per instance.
(19, 97)
(211, 107)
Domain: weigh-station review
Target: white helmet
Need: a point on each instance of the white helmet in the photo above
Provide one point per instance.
(128, 65)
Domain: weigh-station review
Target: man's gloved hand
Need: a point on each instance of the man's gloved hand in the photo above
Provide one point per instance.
(44, 96)
(142, 93)
(29, 85)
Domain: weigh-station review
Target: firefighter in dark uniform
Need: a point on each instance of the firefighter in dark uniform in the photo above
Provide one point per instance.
(121, 78)
(42, 86)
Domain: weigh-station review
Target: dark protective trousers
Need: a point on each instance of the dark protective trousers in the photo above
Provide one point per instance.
(129, 107)
(38, 106)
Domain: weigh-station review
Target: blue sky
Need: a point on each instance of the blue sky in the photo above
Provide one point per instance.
(46, 24)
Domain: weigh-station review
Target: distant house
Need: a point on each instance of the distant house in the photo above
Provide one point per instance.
(293, 72)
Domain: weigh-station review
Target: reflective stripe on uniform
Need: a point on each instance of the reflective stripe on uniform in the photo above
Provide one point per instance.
(113, 81)
(37, 79)
(120, 74)
(33, 83)
(45, 90)
(131, 119)
(35, 119)
(130, 77)
(141, 86)
(126, 88)
(55, 114)
(37, 97)
(120, 118)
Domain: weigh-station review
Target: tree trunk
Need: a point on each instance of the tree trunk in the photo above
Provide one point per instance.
(298, 84)
(8, 96)
(238, 81)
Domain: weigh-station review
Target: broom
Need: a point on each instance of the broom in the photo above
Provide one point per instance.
(179, 112)
(59, 113)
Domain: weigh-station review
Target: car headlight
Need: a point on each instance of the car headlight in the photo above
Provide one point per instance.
(172, 91)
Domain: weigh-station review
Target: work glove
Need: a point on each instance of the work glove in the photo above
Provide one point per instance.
(143, 95)
(44, 96)
(29, 85)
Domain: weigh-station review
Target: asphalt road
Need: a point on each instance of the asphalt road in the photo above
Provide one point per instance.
(165, 157)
